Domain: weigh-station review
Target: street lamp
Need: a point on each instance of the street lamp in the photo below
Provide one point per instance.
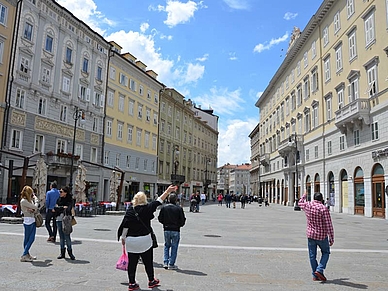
(295, 136)
(77, 115)
(207, 182)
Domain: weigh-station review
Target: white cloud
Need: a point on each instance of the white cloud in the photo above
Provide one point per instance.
(143, 27)
(86, 10)
(267, 45)
(290, 15)
(231, 131)
(237, 4)
(194, 72)
(203, 58)
(232, 56)
(179, 12)
(222, 101)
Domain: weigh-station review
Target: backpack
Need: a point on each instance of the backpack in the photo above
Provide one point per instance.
(66, 224)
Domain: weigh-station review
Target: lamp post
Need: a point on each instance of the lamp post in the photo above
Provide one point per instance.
(296, 206)
(207, 160)
(77, 115)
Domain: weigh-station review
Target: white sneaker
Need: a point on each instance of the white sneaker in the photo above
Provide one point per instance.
(31, 257)
(172, 267)
(25, 259)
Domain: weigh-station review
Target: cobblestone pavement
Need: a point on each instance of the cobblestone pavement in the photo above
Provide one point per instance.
(257, 248)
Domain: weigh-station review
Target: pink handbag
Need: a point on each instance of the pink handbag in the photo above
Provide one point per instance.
(122, 263)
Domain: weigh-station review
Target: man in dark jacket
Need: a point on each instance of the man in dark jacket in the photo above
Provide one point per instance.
(173, 218)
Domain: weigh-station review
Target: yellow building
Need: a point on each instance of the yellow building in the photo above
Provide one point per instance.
(322, 116)
(7, 21)
(131, 123)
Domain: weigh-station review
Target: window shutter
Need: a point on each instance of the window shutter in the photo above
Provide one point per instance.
(79, 91)
(87, 98)
(102, 100)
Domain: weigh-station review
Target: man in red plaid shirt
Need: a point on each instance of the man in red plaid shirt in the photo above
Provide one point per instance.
(319, 232)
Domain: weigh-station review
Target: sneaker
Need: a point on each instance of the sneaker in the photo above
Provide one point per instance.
(153, 283)
(165, 266)
(133, 286)
(315, 279)
(172, 267)
(31, 257)
(25, 259)
(320, 276)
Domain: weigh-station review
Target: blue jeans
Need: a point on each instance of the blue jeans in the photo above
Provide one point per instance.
(325, 250)
(64, 238)
(50, 216)
(171, 241)
(29, 237)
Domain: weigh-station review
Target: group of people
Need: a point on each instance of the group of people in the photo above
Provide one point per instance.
(233, 198)
(58, 204)
(135, 233)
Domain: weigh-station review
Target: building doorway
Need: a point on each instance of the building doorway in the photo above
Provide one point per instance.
(378, 188)
(359, 197)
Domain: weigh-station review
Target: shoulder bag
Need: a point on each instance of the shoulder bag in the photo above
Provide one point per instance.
(38, 219)
(153, 236)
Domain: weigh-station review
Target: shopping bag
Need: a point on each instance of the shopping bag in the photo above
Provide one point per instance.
(122, 263)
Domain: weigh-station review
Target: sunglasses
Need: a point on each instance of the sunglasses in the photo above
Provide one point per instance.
(61, 191)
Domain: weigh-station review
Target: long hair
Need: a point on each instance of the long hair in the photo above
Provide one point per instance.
(139, 199)
(27, 193)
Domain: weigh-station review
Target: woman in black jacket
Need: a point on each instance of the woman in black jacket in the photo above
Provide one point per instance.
(135, 233)
(63, 207)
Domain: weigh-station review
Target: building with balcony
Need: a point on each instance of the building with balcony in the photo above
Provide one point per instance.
(321, 126)
(59, 70)
(131, 124)
(255, 162)
(187, 145)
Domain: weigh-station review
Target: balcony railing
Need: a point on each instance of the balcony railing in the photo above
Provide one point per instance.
(355, 113)
(264, 159)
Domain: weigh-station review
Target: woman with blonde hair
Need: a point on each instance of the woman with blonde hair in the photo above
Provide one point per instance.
(135, 233)
(29, 204)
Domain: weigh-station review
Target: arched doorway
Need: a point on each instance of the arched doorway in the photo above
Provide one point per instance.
(378, 187)
(331, 189)
(317, 183)
(308, 187)
(359, 197)
(344, 191)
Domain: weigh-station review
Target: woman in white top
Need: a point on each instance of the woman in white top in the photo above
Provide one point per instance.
(29, 204)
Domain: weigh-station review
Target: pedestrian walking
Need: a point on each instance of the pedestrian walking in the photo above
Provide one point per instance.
(63, 207)
(51, 199)
(135, 233)
(220, 198)
(320, 233)
(173, 218)
(29, 204)
(228, 200)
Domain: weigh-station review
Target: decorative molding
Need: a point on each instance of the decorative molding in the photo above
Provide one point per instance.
(56, 128)
(18, 118)
(94, 139)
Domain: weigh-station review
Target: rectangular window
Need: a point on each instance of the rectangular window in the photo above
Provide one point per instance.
(3, 14)
(140, 111)
(327, 69)
(20, 98)
(306, 88)
(121, 103)
(325, 36)
(375, 131)
(130, 134)
(118, 160)
(131, 107)
(337, 23)
(69, 54)
(61, 146)
(120, 131)
(369, 29)
(352, 46)
(109, 127)
(49, 44)
(42, 106)
(147, 140)
(16, 140)
(132, 85)
(307, 155)
(314, 80)
(110, 98)
(66, 84)
(340, 96)
(356, 137)
(338, 58)
(329, 151)
(350, 7)
(1, 50)
(315, 117)
(298, 69)
(46, 75)
(93, 155)
(39, 144)
(353, 90)
(63, 113)
(24, 65)
(28, 30)
(305, 60)
(328, 109)
(112, 73)
(138, 137)
(85, 65)
(307, 122)
(342, 143)
(106, 157)
(316, 152)
(99, 73)
(372, 79)
(314, 49)
(95, 124)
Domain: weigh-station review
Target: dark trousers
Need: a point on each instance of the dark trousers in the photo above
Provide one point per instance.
(50, 216)
(148, 260)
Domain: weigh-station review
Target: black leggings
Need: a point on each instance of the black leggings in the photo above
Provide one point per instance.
(147, 258)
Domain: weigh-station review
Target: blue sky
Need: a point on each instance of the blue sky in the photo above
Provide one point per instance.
(218, 53)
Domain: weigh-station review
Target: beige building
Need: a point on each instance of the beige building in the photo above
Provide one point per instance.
(322, 116)
(187, 150)
(255, 161)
